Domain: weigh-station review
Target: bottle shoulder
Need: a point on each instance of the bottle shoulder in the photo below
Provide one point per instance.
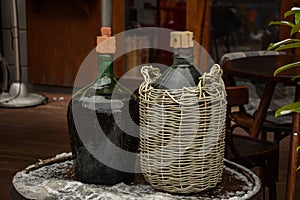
(177, 77)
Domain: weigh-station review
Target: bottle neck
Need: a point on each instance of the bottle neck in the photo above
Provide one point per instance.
(105, 66)
(183, 56)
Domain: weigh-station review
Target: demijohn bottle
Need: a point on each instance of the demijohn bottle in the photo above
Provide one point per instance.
(182, 73)
(102, 120)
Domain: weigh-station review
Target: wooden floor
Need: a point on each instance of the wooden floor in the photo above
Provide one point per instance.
(29, 134)
(40, 132)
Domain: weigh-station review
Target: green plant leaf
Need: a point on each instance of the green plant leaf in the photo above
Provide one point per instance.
(295, 77)
(288, 46)
(286, 67)
(287, 109)
(284, 23)
(295, 29)
(297, 18)
(273, 46)
(292, 11)
(297, 149)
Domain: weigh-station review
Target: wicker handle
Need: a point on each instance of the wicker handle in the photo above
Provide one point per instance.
(148, 71)
(212, 78)
(214, 73)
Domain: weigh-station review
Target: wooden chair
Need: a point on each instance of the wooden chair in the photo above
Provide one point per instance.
(244, 119)
(248, 151)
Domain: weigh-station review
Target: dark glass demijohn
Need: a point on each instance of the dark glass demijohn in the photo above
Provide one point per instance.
(102, 122)
(182, 73)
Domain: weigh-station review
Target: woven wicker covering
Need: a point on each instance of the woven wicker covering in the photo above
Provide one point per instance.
(182, 133)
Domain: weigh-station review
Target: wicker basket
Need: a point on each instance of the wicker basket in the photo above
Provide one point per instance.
(182, 133)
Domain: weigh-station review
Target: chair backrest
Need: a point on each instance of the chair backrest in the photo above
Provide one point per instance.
(237, 95)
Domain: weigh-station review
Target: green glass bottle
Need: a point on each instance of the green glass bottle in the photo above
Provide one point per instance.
(102, 121)
(182, 73)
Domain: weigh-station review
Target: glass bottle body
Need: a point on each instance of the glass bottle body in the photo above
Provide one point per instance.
(102, 120)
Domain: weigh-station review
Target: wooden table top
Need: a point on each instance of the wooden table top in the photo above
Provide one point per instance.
(263, 67)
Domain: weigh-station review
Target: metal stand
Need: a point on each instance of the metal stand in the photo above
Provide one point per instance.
(18, 95)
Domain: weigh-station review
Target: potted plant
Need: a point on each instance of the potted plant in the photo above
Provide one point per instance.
(289, 43)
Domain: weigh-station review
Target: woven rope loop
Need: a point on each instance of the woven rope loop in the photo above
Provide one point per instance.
(148, 70)
(216, 71)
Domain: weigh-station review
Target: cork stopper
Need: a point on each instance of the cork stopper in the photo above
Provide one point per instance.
(181, 39)
(106, 44)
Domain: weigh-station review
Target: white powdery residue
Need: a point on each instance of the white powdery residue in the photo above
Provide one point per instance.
(257, 182)
(50, 191)
(52, 182)
(111, 195)
(40, 191)
(52, 171)
(157, 197)
(30, 167)
(99, 102)
(240, 193)
(63, 155)
(91, 99)
(235, 198)
(70, 187)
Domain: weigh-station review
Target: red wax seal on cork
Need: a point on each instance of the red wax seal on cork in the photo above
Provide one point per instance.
(106, 44)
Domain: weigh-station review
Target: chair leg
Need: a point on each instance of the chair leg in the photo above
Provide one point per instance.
(276, 161)
(270, 172)
(276, 165)
(277, 138)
